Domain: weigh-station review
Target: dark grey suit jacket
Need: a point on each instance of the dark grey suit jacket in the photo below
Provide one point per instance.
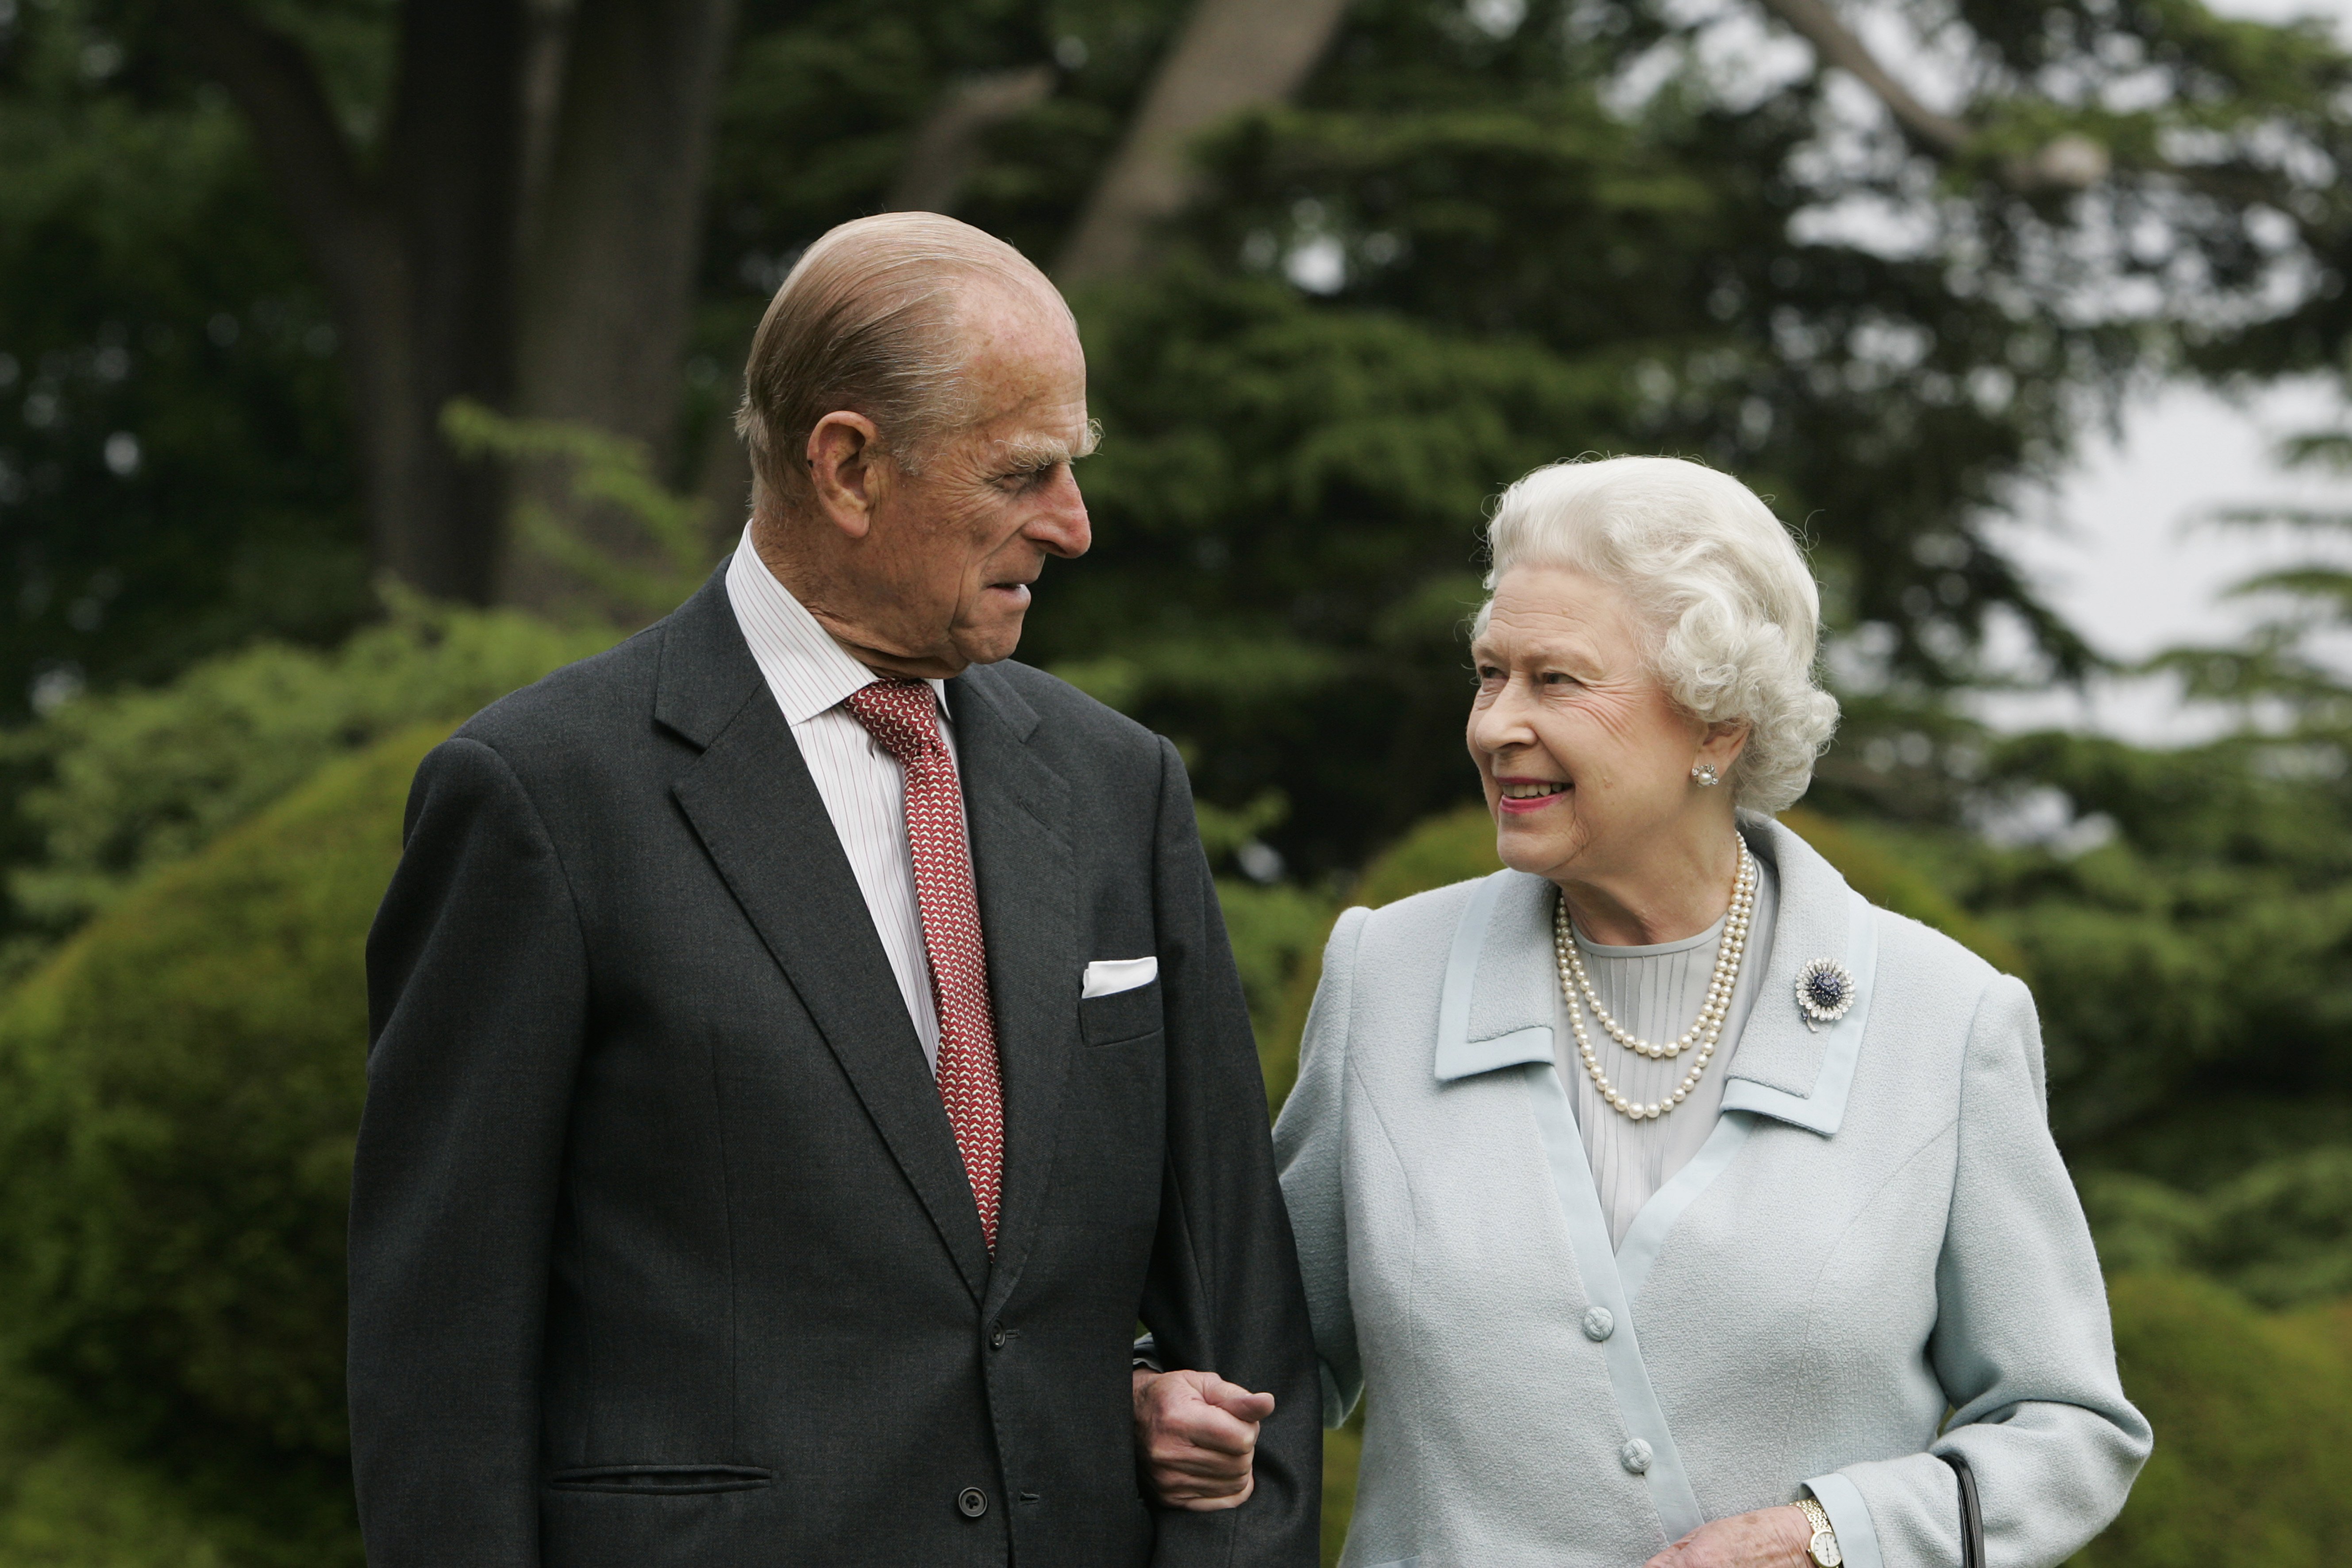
(662, 1250)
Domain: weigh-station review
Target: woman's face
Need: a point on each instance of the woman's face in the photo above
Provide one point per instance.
(1587, 762)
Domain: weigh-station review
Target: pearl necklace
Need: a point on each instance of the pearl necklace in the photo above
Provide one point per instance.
(1705, 1029)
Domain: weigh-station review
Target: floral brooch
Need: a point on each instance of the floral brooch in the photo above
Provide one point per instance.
(1826, 991)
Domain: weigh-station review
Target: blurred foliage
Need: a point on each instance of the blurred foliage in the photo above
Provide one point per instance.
(68, 1500)
(616, 477)
(110, 787)
(179, 1092)
(2279, 1232)
(2254, 1430)
(175, 467)
(1483, 237)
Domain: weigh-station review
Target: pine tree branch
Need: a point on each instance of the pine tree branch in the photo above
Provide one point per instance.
(1813, 21)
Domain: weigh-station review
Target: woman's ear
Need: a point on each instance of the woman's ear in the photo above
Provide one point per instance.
(844, 458)
(1721, 745)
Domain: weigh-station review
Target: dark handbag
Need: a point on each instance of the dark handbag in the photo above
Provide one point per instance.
(1971, 1517)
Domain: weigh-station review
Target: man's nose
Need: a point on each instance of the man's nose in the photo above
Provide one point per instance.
(1060, 524)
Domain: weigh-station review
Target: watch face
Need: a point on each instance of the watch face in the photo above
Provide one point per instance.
(1824, 1548)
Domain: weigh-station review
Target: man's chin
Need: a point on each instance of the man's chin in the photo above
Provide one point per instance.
(989, 643)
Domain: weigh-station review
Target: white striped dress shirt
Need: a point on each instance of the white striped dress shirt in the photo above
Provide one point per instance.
(862, 786)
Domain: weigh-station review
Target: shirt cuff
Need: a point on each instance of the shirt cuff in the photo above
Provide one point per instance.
(1849, 1520)
(1147, 1353)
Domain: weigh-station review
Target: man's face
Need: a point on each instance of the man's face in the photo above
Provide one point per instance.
(942, 577)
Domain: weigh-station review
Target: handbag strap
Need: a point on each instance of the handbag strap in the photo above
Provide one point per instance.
(1972, 1542)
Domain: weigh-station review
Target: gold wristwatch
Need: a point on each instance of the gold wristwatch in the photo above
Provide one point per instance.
(1823, 1547)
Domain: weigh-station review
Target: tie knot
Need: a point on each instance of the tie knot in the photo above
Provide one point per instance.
(902, 717)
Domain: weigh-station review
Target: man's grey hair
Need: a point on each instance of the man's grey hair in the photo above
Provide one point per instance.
(868, 321)
(1729, 613)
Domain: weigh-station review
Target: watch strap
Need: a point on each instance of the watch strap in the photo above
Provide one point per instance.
(1823, 1546)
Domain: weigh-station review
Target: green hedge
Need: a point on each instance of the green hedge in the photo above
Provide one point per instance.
(2252, 1413)
(179, 1089)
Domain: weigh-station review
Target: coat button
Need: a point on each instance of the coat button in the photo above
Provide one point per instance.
(972, 1502)
(1634, 1456)
(1598, 1324)
(996, 1340)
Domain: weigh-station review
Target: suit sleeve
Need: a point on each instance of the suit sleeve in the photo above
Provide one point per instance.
(1224, 1292)
(477, 992)
(2022, 1343)
(1306, 1144)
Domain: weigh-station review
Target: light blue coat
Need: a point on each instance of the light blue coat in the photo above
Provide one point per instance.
(1878, 1230)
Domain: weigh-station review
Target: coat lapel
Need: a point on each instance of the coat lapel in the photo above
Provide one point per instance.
(1027, 880)
(1781, 1068)
(752, 801)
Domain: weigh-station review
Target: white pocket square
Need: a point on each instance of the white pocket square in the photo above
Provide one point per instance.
(1109, 976)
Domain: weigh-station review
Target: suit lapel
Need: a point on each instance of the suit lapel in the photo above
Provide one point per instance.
(1026, 875)
(751, 800)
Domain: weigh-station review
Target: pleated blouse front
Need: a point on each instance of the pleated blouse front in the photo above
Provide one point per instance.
(1656, 992)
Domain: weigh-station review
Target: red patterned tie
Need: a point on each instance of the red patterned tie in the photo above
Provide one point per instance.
(902, 715)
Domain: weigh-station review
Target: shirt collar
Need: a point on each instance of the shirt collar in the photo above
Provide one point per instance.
(805, 668)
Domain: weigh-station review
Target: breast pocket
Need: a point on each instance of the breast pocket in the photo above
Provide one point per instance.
(1120, 1016)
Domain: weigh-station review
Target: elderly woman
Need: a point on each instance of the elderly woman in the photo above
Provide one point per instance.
(1668, 1202)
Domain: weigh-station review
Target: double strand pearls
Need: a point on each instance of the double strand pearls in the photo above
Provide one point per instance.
(1705, 1030)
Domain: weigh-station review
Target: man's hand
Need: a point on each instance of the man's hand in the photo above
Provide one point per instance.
(1768, 1537)
(1195, 1436)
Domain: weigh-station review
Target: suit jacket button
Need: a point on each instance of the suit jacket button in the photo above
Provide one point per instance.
(972, 1502)
(1634, 1456)
(996, 1340)
(1597, 1323)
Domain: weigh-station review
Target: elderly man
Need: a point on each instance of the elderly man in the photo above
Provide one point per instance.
(805, 1044)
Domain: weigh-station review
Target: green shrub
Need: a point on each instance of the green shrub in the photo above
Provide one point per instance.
(2254, 1430)
(67, 1501)
(2280, 1233)
(179, 1089)
(129, 782)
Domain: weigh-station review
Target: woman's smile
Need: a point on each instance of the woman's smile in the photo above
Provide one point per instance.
(1526, 795)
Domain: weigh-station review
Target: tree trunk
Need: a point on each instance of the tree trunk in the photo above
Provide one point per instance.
(609, 274)
(418, 259)
(1233, 55)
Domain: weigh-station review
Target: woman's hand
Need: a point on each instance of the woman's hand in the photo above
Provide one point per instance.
(1196, 1437)
(1768, 1537)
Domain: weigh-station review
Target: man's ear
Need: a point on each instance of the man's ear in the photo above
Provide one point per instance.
(844, 457)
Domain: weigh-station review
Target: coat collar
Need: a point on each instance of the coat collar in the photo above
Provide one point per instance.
(1497, 1008)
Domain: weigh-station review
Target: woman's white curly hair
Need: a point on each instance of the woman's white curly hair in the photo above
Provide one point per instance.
(1730, 610)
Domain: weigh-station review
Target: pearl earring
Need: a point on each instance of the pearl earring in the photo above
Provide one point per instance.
(1705, 775)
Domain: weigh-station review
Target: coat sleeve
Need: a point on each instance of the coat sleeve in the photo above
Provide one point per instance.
(1307, 1147)
(2022, 1345)
(1223, 1294)
(477, 990)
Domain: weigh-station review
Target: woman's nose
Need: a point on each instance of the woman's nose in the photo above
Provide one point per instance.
(1501, 721)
